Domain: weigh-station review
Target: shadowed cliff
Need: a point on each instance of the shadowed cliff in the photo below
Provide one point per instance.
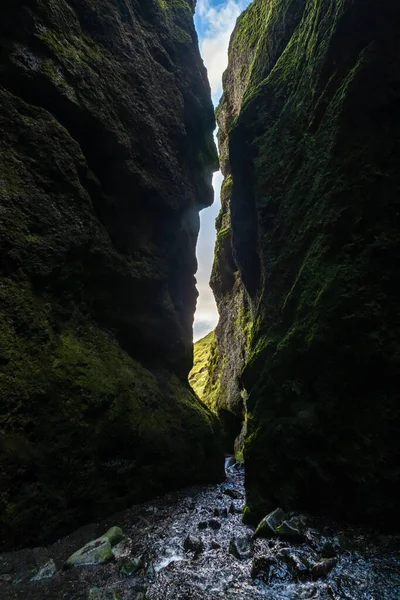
(307, 257)
(106, 157)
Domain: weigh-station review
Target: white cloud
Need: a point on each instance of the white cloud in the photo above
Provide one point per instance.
(217, 25)
(206, 316)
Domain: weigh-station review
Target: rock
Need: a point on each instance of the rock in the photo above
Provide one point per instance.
(193, 544)
(323, 568)
(287, 564)
(233, 510)
(215, 545)
(232, 493)
(221, 512)
(294, 333)
(46, 571)
(230, 462)
(114, 536)
(299, 561)
(150, 572)
(123, 549)
(269, 569)
(275, 524)
(287, 531)
(268, 526)
(131, 566)
(240, 547)
(97, 552)
(106, 158)
(202, 525)
(327, 547)
(260, 568)
(214, 524)
(6, 565)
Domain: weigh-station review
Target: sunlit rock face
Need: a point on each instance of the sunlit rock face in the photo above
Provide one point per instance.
(308, 249)
(106, 157)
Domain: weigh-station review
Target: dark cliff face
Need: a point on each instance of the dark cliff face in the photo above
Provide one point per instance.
(106, 156)
(309, 138)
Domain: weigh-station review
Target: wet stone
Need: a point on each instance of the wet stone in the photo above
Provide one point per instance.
(215, 545)
(115, 535)
(202, 525)
(6, 566)
(260, 568)
(232, 493)
(221, 512)
(232, 509)
(131, 566)
(150, 572)
(240, 547)
(46, 571)
(323, 568)
(97, 552)
(288, 532)
(298, 562)
(270, 523)
(214, 524)
(193, 544)
(230, 462)
(327, 547)
(276, 524)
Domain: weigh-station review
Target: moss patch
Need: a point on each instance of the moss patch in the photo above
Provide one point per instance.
(313, 160)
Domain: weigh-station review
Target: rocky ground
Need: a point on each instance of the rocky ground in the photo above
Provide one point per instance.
(192, 545)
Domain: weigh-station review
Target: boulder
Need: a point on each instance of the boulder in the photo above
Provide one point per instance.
(275, 524)
(193, 544)
(241, 547)
(98, 551)
(323, 568)
(131, 566)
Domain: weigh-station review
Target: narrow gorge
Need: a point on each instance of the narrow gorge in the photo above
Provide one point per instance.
(262, 462)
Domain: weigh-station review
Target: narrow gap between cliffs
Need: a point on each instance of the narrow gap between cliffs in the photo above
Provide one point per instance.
(214, 21)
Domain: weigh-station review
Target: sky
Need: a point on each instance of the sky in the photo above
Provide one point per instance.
(214, 20)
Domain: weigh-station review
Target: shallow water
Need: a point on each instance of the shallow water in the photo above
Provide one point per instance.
(368, 564)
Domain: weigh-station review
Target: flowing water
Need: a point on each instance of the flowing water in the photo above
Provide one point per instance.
(194, 547)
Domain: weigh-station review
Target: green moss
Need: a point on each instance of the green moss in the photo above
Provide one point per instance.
(70, 48)
(199, 374)
(75, 402)
(304, 147)
(91, 285)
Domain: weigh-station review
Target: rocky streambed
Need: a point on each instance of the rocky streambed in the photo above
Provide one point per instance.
(192, 545)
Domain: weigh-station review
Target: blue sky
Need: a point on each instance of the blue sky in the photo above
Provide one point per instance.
(214, 20)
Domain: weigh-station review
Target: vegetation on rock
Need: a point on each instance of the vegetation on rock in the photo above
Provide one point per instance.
(199, 374)
(309, 132)
(106, 157)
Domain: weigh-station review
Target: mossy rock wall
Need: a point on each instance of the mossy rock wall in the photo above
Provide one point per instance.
(310, 133)
(106, 157)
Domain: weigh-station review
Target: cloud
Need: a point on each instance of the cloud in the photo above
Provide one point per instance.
(206, 316)
(216, 23)
(215, 20)
(201, 328)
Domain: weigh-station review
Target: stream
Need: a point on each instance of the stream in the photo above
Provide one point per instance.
(191, 545)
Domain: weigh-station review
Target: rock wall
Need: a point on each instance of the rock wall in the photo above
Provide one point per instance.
(309, 137)
(106, 157)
